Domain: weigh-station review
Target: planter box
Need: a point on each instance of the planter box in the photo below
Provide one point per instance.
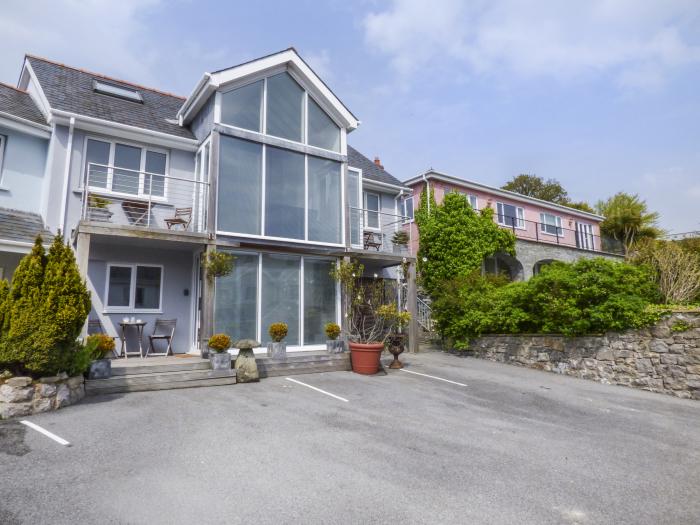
(335, 346)
(100, 369)
(220, 360)
(277, 350)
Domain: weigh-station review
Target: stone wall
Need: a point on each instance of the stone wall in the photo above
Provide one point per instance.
(529, 253)
(664, 358)
(22, 396)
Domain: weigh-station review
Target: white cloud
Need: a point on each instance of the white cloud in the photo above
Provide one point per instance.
(639, 43)
(320, 62)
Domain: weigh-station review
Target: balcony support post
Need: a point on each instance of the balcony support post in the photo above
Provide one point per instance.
(412, 306)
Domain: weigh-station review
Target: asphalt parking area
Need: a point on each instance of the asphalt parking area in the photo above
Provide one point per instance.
(449, 440)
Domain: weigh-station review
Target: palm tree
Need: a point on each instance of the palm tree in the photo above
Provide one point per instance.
(627, 219)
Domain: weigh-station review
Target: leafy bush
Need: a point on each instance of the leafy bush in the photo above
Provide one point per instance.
(219, 342)
(455, 239)
(217, 264)
(43, 311)
(101, 345)
(332, 331)
(83, 355)
(589, 296)
(278, 331)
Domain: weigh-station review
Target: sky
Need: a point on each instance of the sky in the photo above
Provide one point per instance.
(602, 95)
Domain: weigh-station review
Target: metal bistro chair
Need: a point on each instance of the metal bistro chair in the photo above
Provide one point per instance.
(183, 217)
(95, 327)
(163, 331)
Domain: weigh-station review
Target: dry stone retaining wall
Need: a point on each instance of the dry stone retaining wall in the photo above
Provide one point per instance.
(659, 359)
(22, 396)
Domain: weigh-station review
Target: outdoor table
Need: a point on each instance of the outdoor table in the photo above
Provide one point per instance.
(139, 331)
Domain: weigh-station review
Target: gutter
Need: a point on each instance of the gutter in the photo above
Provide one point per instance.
(182, 112)
(39, 130)
(181, 142)
(371, 182)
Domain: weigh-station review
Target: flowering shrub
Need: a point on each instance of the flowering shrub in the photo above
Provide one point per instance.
(332, 331)
(219, 342)
(278, 331)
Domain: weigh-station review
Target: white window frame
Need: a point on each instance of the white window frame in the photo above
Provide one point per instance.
(519, 211)
(378, 228)
(142, 170)
(132, 290)
(3, 141)
(403, 210)
(475, 204)
(557, 225)
(584, 230)
(263, 125)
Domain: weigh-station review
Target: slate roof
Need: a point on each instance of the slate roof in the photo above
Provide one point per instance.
(369, 169)
(22, 226)
(18, 103)
(71, 89)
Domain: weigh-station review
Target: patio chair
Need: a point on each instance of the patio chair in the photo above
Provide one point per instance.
(164, 330)
(371, 241)
(183, 217)
(95, 327)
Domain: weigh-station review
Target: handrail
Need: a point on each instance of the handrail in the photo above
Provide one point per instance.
(424, 314)
(170, 177)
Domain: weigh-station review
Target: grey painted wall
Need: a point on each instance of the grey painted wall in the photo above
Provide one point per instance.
(178, 268)
(204, 120)
(22, 175)
(53, 187)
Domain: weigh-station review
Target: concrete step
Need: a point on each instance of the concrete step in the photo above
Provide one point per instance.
(151, 368)
(303, 364)
(160, 381)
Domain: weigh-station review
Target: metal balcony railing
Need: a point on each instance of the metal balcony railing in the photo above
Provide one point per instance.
(373, 230)
(581, 238)
(126, 197)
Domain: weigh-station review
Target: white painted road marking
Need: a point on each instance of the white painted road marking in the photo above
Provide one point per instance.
(316, 389)
(48, 434)
(432, 377)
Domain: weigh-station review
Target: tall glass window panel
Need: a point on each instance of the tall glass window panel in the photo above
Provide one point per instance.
(240, 186)
(284, 194)
(372, 204)
(242, 107)
(285, 107)
(324, 200)
(280, 294)
(119, 290)
(323, 132)
(319, 299)
(126, 180)
(148, 280)
(97, 159)
(354, 204)
(154, 184)
(236, 299)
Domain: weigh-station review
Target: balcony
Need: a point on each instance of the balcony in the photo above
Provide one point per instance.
(553, 234)
(375, 231)
(151, 201)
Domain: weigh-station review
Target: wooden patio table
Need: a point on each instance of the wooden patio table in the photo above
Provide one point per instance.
(139, 331)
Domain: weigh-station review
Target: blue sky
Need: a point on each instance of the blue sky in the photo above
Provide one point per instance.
(602, 95)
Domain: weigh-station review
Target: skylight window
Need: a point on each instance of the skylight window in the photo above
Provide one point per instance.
(117, 91)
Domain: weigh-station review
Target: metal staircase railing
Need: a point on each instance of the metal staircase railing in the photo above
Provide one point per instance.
(424, 315)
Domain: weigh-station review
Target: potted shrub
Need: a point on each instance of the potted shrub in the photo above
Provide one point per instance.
(99, 346)
(98, 208)
(400, 241)
(333, 344)
(277, 349)
(396, 340)
(367, 314)
(219, 357)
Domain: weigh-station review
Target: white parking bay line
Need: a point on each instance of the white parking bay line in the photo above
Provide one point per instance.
(432, 377)
(48, 434)
(316, 389)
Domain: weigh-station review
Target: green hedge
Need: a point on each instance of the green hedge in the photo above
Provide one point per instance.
(586, 297)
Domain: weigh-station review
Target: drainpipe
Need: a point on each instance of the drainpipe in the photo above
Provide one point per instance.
(66, 176)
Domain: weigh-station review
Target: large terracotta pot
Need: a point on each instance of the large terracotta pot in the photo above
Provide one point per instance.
(365, 357)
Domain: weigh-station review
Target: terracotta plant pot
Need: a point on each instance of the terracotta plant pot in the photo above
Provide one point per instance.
(365, 357)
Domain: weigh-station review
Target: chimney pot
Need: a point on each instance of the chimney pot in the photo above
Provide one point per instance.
(378, 162)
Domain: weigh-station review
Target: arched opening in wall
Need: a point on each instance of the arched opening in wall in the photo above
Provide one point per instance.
(504, 264)
(537, 268)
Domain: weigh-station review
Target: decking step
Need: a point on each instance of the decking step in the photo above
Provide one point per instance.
(150, 368)
(160, 381)
(295, 365)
